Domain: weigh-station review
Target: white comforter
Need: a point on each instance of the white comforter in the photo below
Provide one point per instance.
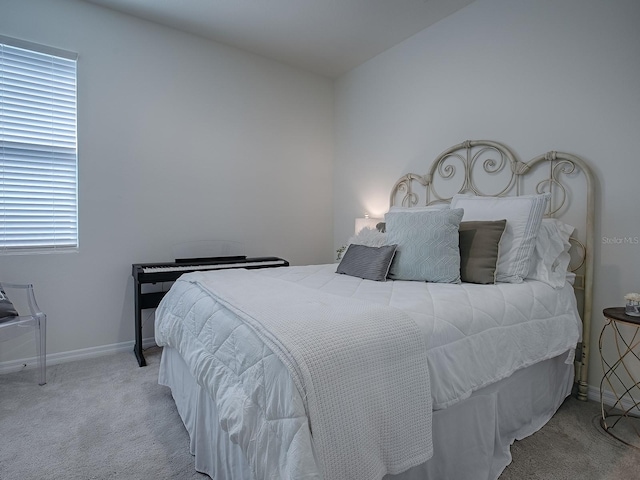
(358, 367)
(474, 335)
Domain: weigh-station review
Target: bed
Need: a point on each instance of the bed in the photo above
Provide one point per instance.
(388, 365)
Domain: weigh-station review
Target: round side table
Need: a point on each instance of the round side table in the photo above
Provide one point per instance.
(621, 420)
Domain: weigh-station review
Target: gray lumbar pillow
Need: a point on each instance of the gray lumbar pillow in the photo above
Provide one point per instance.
(479, 242)
(370, 263)
(7, 310)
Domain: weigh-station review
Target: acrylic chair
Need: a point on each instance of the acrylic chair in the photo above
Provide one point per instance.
(11, 327)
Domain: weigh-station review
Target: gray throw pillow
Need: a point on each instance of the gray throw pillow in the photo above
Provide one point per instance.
(370, 263)
(7, 310)
(428, 245)
(479, 242)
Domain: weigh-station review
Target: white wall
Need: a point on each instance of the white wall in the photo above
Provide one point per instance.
(538, 75)
(180, 139)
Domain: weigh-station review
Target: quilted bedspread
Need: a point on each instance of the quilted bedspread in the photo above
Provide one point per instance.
(474, 335)
(359, 370)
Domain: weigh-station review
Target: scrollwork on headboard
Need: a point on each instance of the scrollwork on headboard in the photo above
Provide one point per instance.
(458, 164)
(489, 168)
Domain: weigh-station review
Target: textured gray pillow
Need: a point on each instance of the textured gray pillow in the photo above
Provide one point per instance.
(370, 263)
(7, 310)
(428, 245)
(479, 242)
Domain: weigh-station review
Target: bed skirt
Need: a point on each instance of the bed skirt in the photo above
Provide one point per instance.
(471, 439)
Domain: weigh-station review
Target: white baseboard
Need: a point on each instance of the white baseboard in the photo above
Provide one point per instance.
(609, 399)
(73, 355)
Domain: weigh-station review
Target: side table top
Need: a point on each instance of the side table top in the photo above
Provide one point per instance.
(617, 313)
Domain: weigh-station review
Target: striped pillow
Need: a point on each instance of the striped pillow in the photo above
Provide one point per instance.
(370, 263)
(524, 216)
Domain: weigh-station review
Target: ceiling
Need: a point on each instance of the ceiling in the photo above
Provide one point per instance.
(328, 37)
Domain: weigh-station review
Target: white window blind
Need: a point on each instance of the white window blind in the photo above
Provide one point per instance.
(38, 154)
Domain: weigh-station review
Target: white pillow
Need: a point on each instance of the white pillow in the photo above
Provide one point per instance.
(369, 237)
(523, 214)
(550, 260)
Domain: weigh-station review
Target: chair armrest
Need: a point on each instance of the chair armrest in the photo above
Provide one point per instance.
(31, 297)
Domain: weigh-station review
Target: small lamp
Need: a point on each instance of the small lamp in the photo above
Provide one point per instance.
(366, 222)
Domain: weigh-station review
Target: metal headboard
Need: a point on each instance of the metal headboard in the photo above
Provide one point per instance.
(488, 168)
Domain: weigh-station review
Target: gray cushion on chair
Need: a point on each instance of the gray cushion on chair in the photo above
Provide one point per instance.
(370, 263)
(7, 310)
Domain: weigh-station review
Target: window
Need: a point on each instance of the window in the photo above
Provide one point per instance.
(38, 154)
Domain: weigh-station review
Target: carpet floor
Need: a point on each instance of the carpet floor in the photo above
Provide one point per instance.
(105, 418)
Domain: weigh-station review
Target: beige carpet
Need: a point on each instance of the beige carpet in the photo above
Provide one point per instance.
(106, 418)
(572, 445)
(103, 418)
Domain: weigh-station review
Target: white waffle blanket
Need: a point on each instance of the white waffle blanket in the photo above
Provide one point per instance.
(359, 368)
